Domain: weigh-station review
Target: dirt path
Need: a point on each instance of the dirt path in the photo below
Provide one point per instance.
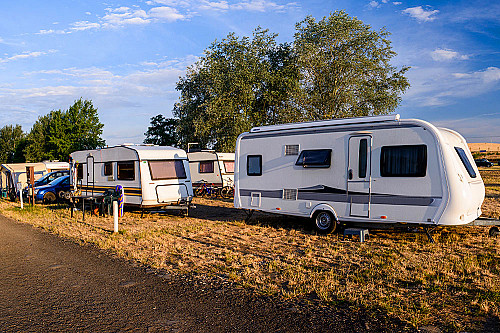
(48, 284)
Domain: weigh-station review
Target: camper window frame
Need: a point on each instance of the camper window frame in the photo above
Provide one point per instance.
(167, 160)
(105, 168)
(384, 172)
(225, 168)
(206, 163)
(118, 169)
(465, 161)
(259, 157)
(326, 163)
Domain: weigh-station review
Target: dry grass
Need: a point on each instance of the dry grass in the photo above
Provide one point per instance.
(454, 284)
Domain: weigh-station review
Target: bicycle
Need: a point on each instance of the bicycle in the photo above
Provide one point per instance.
(206, 190)
(228, 191)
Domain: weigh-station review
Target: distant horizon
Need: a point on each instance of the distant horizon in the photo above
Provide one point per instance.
(127, 56)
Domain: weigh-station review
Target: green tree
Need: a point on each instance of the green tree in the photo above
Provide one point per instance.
(12, 140)
(238, 83)
(346, 68)
(162, 132)
(56, 135)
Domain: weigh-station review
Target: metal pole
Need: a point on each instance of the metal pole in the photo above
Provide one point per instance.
(21, 197)
(115, 216)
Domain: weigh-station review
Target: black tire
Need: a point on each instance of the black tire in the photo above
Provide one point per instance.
(199, 191)
(494, 232)
(324, 222)
(227, 192)
(214, 192)
(49, 198)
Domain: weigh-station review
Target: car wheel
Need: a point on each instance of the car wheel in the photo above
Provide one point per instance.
(324, 222)
(49, 198)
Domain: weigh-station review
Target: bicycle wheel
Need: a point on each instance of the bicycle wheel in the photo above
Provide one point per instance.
(227, 192)
(199, 191)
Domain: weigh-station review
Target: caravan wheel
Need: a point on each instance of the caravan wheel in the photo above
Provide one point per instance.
(324, 222)
(49, 198)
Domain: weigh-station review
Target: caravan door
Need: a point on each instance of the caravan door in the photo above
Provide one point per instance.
(90, 174)
(359, 175)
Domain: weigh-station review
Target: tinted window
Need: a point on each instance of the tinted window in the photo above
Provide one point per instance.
(108, 169)
(319, 158)
(463, 156)
(229, 166)
(254, 165)
(363, 155)
(126, 170)
(172, 169)
(403, 161)
(206, 167)
(79, 171)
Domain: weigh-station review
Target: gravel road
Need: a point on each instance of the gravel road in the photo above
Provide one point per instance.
(48, 284)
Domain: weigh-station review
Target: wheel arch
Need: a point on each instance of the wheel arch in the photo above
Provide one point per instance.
(324, 207)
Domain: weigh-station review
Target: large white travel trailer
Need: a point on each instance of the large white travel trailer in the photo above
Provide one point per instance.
(360, 170)
(152, 176)
(211, 167)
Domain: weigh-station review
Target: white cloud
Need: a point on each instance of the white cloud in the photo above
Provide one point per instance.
(397, 3)
(124, 16)
(84, 25)
(25, 55)
(441, 86)
(374, 4)
(446, 55)
(491, 75)
(420, 14)
(259, 5)
(166, 13)
(212, 5)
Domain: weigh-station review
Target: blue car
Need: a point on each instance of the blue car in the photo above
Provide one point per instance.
(52, 191)
(45, 180)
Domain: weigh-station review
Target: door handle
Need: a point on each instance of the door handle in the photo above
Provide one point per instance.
(350, 174)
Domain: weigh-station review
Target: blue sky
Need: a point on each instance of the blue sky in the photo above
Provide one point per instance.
(126, 56)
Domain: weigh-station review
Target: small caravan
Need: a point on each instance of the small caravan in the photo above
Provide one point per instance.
(13, 174)
(364, 170)
(152, 176)
(211, 167)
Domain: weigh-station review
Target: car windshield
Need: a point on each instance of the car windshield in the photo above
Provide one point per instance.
(57, 181)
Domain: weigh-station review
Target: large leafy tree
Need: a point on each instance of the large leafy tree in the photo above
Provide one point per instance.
(56, 135)
(237, 84)
(162, 132)
(346, 68)
(337, 67)
(12, 141)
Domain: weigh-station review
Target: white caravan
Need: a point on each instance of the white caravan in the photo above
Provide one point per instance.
(211, 167)
(152, 176)
(360, 170)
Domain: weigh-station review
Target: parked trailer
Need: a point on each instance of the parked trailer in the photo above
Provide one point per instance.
(151, 176)
(368, 170)
(211, 167)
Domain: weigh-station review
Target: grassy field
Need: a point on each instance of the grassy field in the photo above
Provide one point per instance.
(453, 284)
(491, 204)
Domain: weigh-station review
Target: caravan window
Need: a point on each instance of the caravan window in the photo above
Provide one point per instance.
(254, 165)
(403, 161)
(167, 169)
(79, 171)
(363, 158)
(318, 158)
(463, 156)
(108, 169)
(206, 167)
(126, 170)
(229, 166)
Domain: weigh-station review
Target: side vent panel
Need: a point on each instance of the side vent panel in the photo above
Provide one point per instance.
(291, 150)
(290, 194)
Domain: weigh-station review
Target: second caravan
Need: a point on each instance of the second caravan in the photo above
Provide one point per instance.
(152, 176)
(360, 170)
